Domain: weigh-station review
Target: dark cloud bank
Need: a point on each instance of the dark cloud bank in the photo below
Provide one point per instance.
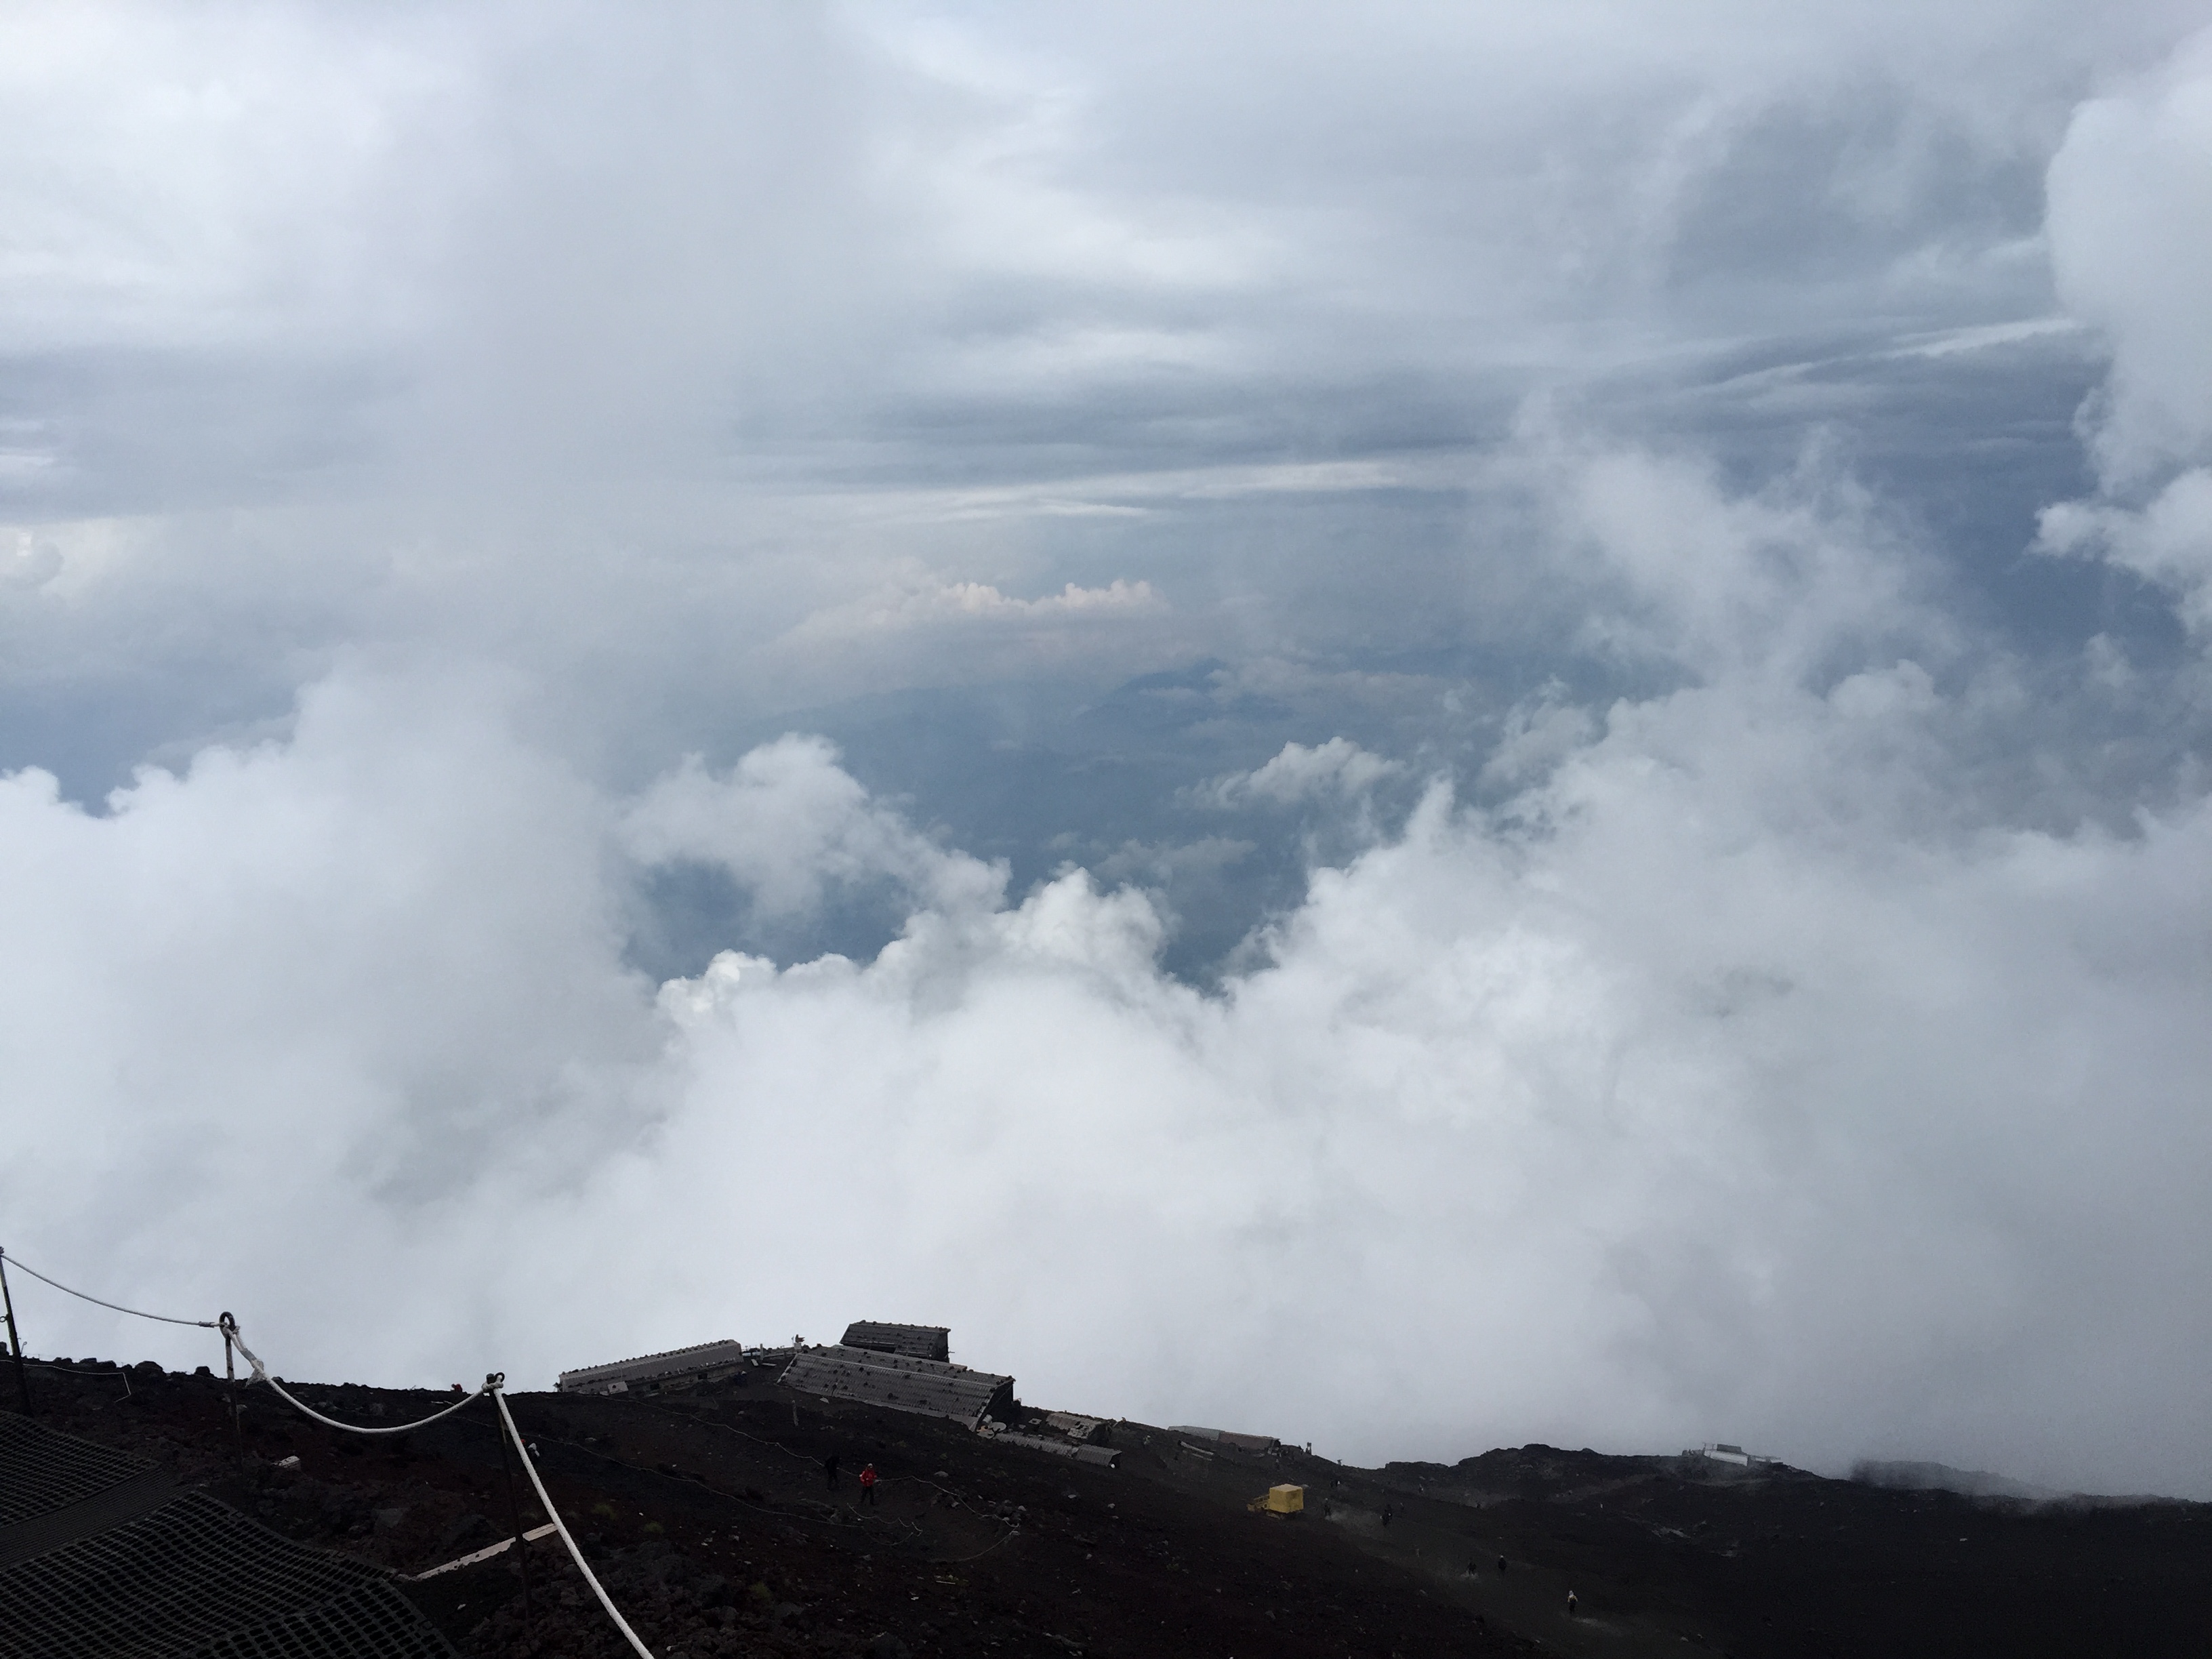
(1516, 705)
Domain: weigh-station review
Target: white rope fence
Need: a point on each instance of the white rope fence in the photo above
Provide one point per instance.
(230, 1328)
(530, 1468)
(492, 1385)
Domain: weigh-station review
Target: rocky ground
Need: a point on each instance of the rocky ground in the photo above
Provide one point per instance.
(707, 1516)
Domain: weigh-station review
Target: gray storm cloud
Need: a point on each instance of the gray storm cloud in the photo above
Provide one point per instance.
(629, 643)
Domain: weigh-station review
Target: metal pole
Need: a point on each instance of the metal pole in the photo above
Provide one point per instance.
(230, 1389)
(14, 1342)
(492, 1385)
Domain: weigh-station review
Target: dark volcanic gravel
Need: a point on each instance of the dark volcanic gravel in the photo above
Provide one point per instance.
(707, 1516)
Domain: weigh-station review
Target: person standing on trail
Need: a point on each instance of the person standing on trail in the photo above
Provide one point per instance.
(868, 1485)
(829, 1468)
(1571, 1604)
(1501, 1564)
(1386, 1515)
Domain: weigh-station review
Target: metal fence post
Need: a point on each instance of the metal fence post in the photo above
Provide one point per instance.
(493, 1383)
(14, 1342)
(230, 1389)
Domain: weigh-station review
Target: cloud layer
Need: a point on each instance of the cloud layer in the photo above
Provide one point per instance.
(1714, 1082)
(2131, 220)
(1203, 689)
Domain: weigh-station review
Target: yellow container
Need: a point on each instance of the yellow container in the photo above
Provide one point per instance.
(1284, 1500)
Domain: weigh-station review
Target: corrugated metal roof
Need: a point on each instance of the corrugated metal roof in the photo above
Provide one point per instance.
(1101, 1456)
(931, 1387)
(652, 1367)
(1226, 1438)
(915, 1341)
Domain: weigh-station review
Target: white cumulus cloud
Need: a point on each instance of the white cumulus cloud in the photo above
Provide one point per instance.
(785, 821)
(1707, 1084)
(1337, 769)
(2130, 230)
(454, 442)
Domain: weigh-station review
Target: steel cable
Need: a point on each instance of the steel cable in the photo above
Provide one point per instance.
(136, 1313)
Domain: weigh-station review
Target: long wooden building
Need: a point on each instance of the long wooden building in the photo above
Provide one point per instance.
(915, 1341)
(933, 1388)
(702, 1363)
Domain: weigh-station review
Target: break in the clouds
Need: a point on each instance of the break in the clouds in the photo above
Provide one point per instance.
(1515, 703)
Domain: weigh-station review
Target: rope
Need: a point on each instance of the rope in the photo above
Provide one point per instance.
(72, 1370)
(230, 1328)
(530, 1468)
(963, 1560)
(203, 1324)
(129, 1393)
(954, 1498)
(837, 1518)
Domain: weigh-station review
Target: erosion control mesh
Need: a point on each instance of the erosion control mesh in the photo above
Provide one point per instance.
(126, 1500)
(192, 1578)
(41, 1471)
(372, 1619)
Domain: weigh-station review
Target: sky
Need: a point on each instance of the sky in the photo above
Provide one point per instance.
(1456, 726)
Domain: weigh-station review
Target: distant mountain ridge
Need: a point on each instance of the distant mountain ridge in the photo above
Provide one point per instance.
(1908, 1476)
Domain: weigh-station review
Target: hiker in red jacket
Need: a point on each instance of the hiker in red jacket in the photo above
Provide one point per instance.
(868, 1485)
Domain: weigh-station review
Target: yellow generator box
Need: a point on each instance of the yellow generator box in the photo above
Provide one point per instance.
(1284, 1500)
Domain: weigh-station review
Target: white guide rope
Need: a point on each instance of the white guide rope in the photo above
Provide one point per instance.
(230, 1328)
(204, 1324)
(530, 1468)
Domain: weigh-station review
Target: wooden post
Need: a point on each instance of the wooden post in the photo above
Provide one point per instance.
(14, 1342)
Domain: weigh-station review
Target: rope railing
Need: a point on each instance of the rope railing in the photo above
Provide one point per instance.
(494, 1384)
(228, 1326)
(825, 1514)
(84, 1296)
(121, 1374)
(951, 1497)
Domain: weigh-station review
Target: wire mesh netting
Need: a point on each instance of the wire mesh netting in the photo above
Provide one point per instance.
(126, 1500)
(373, 1619)
(190, 1579)
(41, 1471)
